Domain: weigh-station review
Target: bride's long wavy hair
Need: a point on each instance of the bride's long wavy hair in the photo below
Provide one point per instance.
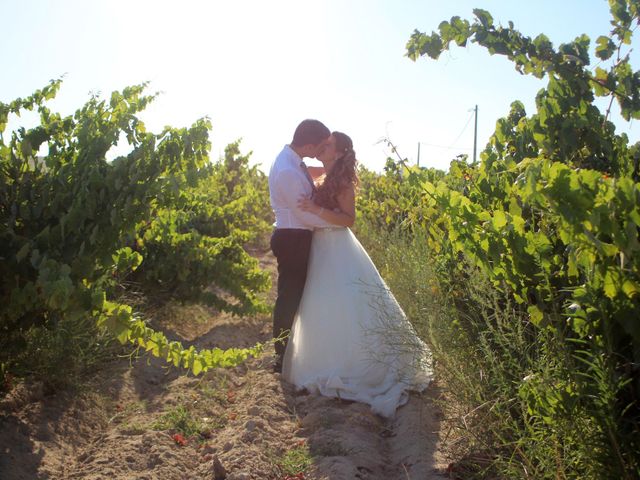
(343, 173)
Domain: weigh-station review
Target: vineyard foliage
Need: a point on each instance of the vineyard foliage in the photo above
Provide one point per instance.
(551, 215)
(199, 238)
(78, 231)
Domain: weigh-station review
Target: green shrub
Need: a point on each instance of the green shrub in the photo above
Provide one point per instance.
(69, 223)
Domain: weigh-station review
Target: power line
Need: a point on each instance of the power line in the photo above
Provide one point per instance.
(463, 129)
(442, 146)
(475, 134)
(451, 146)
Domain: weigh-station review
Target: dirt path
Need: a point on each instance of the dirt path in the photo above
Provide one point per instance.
(250, 423)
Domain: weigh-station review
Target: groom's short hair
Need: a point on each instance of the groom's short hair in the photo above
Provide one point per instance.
(310, 132)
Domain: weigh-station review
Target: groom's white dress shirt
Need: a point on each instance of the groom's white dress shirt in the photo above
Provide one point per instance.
(287, 183)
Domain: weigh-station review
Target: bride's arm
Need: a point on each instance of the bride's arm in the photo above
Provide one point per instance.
(344, 218)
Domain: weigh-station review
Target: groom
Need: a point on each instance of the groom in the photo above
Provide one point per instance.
(291, 240)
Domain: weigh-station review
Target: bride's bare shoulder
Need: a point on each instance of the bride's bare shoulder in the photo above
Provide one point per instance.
(316, 172)
(319, 180)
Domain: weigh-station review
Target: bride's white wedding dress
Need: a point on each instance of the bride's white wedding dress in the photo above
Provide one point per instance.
(350, 338)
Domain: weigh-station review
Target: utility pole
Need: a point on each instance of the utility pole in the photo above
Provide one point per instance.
(418, 162)
(475, 135)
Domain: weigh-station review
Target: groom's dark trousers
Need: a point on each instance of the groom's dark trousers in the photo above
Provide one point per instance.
(291, 247)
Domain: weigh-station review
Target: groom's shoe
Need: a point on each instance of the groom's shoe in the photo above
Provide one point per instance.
(277, 366)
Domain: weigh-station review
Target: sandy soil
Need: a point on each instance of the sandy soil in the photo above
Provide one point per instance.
(250, 424)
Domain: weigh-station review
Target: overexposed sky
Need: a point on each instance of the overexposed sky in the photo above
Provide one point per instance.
(256, 68)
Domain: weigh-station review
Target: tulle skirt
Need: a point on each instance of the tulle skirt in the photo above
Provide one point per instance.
(350, 338)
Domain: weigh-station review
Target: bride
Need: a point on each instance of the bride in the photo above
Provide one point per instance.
(350, 338)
